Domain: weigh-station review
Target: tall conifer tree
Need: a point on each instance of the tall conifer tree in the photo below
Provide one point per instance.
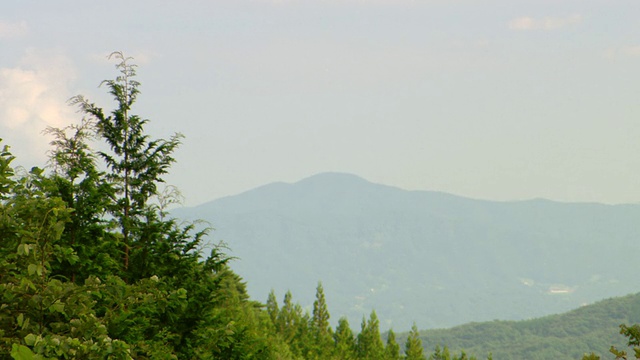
(321, 330)
(344, 341)
(136, 166)
(369, 344)
(392, 349)
(413, 346)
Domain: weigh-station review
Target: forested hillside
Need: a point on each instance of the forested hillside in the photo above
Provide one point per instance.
(593, 328)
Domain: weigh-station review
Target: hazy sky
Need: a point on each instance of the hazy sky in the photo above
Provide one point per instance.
(493, 99)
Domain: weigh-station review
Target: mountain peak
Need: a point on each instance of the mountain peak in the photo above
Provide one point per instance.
(337, 178)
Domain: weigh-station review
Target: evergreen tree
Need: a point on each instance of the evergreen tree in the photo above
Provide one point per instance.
(369, 342)
(42, 316)
(78, 182)
(320, 325)
(272, 307)
(321, 315)
(285, 322)
(136, 166)
(440, 354)
(91, 267)
(392, 349)
(413, 346)
(344, 341)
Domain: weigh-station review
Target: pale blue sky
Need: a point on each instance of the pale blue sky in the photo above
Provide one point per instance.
(497, 99)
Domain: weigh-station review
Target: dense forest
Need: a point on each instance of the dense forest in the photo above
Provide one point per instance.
(93, 266)
(592, 328)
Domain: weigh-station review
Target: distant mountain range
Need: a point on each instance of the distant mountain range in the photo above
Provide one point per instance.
(434, 258)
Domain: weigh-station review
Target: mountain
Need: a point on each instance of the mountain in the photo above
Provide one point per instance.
(430, 257)
(592, 328)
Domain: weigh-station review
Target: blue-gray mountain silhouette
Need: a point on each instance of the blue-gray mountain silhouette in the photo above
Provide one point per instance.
(424, 256)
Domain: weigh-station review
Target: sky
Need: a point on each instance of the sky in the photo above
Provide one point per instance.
(498, 99)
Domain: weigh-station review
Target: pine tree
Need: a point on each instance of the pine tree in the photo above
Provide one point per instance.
(440, 354)
(286, 318)
(320, 313)
(320, 325)
(272, 307)
(344, 341)
(413, 346)
(369, 342)
(392, 349)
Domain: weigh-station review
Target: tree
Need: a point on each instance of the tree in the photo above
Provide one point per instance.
(272, 307)
(413, 346)
(440, 354)
(320, 325)
(344, 342)
(392, 349)
(85, 189)
(369, 343)
(136, 166)
(320, 320)
(42, 316)
(92, 267)
(632, 333)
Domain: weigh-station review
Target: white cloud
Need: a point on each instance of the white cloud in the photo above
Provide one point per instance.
(13, 30)
(33, 95)
(546, 23)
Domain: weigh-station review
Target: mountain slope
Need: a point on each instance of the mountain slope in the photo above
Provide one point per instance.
(435, 258)
(592, 328)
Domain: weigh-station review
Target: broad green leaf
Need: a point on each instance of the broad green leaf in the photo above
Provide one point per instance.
(21, 352)
(30, 339)
(58, 306)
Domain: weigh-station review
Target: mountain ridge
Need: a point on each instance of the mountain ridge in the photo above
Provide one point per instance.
(590, 328)
(377, 246)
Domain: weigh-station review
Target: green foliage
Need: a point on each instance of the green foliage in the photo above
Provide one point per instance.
(591, 356)
(413, 346)
(320, 329)
(632, 333)
(589, 329)
(78, 182)
(345, 344)
(369, 343)
(136, 166)
(92, 267)
(392, 348)
(41, 316)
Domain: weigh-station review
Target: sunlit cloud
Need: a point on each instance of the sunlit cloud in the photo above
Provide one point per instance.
(33, 95)
(12, 30)
(547, 23)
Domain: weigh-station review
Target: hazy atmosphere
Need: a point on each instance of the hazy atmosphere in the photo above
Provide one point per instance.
(496, 100)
